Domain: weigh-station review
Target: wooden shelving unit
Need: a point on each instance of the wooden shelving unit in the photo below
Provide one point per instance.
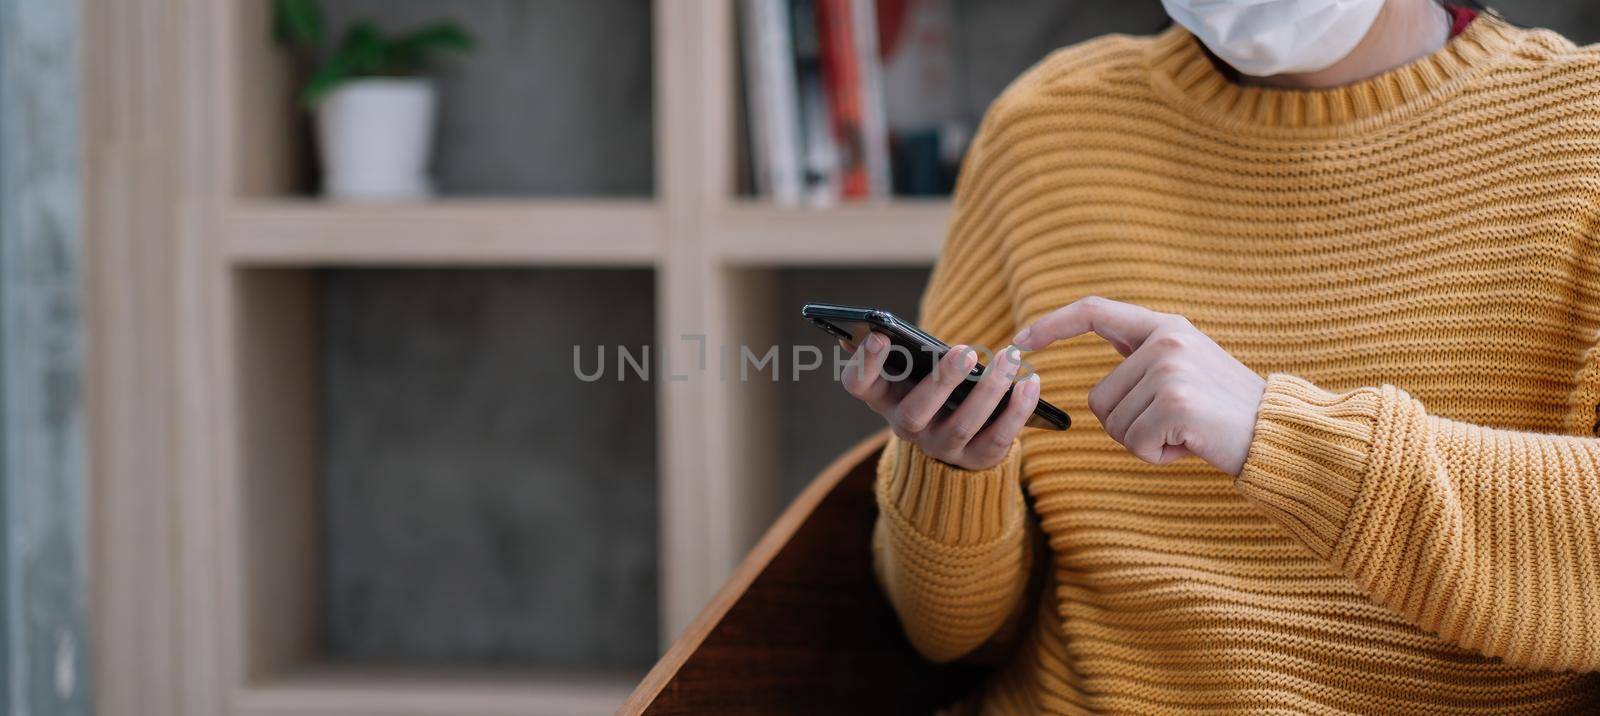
(286, 233)
(900, 233)
(310, 233)
(238, 249)
(379, 692)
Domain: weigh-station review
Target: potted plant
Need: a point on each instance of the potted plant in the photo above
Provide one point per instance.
(374, 110)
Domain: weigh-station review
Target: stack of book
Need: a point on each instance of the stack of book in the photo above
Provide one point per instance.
(820, 116)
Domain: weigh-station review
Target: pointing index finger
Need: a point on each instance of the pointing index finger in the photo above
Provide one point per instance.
(1124, 325)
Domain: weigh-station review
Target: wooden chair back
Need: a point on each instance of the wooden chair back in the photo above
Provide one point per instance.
(801, 627)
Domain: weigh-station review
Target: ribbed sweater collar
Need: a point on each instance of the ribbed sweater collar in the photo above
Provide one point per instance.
(1185, 73)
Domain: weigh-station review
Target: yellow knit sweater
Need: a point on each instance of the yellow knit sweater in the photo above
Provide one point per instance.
(1412, 261)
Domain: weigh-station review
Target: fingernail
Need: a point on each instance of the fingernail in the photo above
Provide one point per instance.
(875, 343)
(1030, 387)
(1009, 358)
(1022, 337)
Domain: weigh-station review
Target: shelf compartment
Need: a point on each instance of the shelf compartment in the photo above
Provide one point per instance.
(543, 128)
(469, 513)
(404, 503)
(897, 233)
(451, 232)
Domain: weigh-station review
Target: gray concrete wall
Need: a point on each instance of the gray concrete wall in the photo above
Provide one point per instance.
(43, 630)
(481, 504)
(1577, 19)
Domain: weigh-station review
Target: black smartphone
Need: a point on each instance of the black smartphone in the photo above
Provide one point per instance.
(920, 356)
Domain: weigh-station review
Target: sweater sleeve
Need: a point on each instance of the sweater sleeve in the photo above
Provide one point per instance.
(951, 549)
(951, 546)
(1488, 538)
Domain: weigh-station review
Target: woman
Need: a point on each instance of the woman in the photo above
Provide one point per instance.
(1343, 361)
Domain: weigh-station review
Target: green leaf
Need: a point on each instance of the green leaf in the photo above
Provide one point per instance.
(297, 23)
(440, 36)
(364, 52)
(412, 51)
(333, 73)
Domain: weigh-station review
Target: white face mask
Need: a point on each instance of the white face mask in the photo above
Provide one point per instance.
(1274, 37)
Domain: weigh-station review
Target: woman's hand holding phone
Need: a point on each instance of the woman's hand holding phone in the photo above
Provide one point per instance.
(915, 410)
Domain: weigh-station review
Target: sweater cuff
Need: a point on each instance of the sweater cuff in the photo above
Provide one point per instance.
(947, 504)
(1308, 458)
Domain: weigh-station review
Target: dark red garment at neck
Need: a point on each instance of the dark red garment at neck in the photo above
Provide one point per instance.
(1461, 17)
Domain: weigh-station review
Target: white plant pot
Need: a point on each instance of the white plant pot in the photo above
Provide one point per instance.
(375, 137)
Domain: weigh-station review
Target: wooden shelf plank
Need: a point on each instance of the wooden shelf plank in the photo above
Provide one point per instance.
(364, 691)
(898, 233)
(312, 233)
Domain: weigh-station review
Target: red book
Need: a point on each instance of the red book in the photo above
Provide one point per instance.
(841, 78)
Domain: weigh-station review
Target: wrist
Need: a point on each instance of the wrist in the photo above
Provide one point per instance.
(949, 504)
